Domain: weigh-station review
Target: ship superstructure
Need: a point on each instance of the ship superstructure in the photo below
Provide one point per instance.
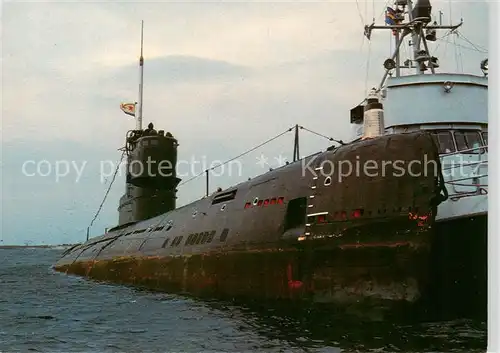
(453, 107)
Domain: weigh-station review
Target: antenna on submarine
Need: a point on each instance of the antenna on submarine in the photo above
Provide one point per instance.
(141, 82)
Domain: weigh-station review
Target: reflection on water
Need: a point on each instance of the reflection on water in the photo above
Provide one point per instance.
(42, 310)
(315, 328)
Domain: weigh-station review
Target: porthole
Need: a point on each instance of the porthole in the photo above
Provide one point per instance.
(223, 207)
(195, 213)
(255, 201)
(328, 181)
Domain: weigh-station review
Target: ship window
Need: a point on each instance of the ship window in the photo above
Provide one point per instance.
(444, 141)
(485, 138)
(158, 228)
(467, 140)
(224, 234)
(198, 238)
(296, 213)
(154, 142)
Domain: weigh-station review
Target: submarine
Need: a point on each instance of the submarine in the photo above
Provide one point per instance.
(307, 232)
(304, 232)
(292, 233)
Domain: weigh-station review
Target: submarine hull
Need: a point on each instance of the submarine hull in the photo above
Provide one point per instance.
(379, 273)
(298, 233)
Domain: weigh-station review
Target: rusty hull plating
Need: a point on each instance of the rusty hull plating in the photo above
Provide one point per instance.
(292, 233)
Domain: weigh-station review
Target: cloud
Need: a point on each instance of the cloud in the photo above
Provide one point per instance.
(188, 69)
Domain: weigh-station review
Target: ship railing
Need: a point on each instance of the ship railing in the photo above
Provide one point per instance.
(482, 150)
(473, 180)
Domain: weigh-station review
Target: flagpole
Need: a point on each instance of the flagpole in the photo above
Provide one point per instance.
(141, 80)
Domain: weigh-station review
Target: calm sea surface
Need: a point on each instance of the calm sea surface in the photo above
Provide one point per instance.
(45, 311)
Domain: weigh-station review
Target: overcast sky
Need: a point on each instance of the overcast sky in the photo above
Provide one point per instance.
(222, 77)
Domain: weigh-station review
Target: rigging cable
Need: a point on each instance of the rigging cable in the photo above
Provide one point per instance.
(321, 135)
(359, 13)
(456, 52)
(442, 39)
(464, 46)
(368, 66)
(383, 9)
(373, 10)
(460, 55)
(362, 23)
(240, 155)
(451, 13)
(369, 50)
(478, 48)
(106, 194)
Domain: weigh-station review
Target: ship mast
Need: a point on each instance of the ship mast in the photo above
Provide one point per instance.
(417, 25)
(141, 81)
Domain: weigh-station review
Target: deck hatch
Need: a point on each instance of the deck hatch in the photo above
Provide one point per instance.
(223, 197)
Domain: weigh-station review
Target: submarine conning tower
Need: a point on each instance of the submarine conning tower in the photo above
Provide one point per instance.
(151, 179)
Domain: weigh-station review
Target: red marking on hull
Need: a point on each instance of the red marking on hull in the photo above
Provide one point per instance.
(292, 284)
(295, 284)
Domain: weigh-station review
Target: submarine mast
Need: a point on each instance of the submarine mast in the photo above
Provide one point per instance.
(138, 117)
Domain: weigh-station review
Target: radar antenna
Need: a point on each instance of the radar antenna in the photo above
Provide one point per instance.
(409, 19)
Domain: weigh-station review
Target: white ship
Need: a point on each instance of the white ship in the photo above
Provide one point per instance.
(453, 107)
